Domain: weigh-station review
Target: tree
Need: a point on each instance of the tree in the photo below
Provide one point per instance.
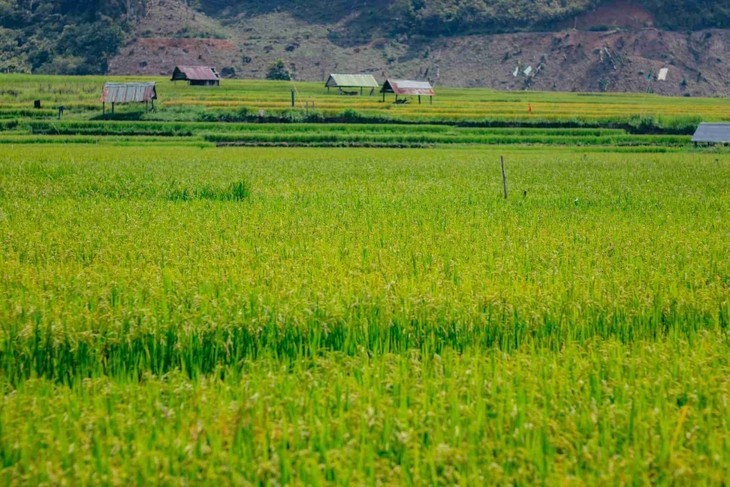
(278, 71)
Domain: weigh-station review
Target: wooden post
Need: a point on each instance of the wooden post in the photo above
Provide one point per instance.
(103, 108)
(112, 107)
(504, 177)
(293, 99)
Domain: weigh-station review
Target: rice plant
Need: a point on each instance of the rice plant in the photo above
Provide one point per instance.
(356, 311)
(363, 316)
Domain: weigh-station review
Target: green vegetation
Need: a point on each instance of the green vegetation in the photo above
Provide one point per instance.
(448, 17)
(174, 312)
(268, 101)
(321, 134)
(459, 16)
(278, 71)
(259, 113)
(353, 315)
(690, 14)
(65, 36)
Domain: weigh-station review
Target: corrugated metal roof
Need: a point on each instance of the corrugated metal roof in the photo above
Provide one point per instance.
(352, 81)
(718, 133)
(195, 73)
(408, 87)
(129, 92)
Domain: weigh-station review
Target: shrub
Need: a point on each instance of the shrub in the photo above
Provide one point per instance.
(278, 71)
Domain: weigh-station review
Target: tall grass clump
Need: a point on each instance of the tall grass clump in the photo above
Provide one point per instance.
(235, 191)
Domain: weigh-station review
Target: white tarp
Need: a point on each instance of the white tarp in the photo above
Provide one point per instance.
(528, 70)
(663, 74)
(516, 72)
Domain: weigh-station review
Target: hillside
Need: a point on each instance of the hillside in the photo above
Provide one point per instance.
(585, 45)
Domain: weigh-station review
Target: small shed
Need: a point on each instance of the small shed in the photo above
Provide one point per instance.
(352, 81)
(712, 133)
(403, 87)
(123, 93)
(197, 75)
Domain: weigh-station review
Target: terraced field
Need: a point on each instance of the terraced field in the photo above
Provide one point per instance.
(190, 302)
(242, 99)
(324, 135)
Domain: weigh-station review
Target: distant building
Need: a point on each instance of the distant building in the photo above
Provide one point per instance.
(343, 82)
(197, 75)
(402, 87)
(712, 133)
(123, 93)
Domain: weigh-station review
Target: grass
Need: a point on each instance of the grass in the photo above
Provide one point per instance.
(362, 316)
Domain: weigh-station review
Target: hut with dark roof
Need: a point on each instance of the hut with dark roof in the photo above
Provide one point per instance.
(197, 75)
(123, 93)
(352, 82)
(403, 87)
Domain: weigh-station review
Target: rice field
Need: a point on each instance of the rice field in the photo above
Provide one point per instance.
(237, 99)
(441, 334)
(185, 300)
(325, 134)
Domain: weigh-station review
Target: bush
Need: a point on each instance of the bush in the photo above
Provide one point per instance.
(278, 71)
(241, 114)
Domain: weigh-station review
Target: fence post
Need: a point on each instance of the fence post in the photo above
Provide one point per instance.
(504, 177)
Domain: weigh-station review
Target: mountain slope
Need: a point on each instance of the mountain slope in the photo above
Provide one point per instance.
(612, 48)
(584, 45)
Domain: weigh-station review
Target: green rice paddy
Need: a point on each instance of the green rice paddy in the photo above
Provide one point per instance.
(181, 303)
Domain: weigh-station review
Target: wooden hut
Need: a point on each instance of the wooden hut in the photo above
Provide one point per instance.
(344, 82)
(197, 75)
(123, 93)
(402, 87)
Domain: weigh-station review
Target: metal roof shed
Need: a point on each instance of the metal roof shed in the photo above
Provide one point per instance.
(403, 87)
(197, 75)
(122, 93)
(360, 81)
(712, 133)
